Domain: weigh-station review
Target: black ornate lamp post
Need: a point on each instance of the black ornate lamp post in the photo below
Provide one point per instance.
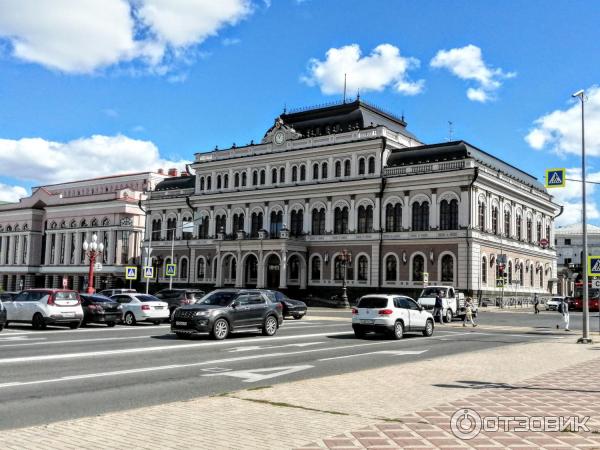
(346, 260)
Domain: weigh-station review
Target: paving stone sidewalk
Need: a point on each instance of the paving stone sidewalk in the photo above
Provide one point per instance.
(565, 393)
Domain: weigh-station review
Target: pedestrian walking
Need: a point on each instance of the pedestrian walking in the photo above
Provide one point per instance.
(469, 312)
(536, 304)
(439, 307)
(563, 308)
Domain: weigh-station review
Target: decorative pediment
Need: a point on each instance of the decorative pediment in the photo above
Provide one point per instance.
(280, 133)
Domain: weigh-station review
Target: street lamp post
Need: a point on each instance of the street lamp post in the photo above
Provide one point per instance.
(92, 250)
(148, 262)
(585, 337)
(346, 260)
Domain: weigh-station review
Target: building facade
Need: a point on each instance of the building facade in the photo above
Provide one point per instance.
(351, 177)
(41, 237)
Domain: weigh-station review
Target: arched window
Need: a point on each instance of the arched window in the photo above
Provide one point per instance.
(372, 165)
(200, 269)
(361, 166)
(256, 224)
(294, 268)
(510, 272)
(340, 223)
(244, 179)
(393, 217)
(365, 219)
(338, 169)
(294, 174)
(347, 170)
(541, 278)
(449, 215)
(221, 223)
(521, 274)
(262, 177)
(531, 275)
(391, 266)
(483, 270)
(218, 181)
(183, 270)
(507, 223)
(481, 215)
(548, 232)
(420, 216)
(156, 227)
(187, 228)
(495, 219)
(238, 222)
(519, 226)
(302, 172)
(201, 183)
(297, 223)
(276, 223)
(226, 181)
(208, 184)
(282, 175)
(274, 176)
(363, 268)
(539, 230)
(236, 180)
(171, 227)
(529, 232)
(447, 268)
(203, 228)
(255, 178)
(315, 271)
(324, 171)
(318, 221)
(315, 171)
(338, 269)
(418, 267)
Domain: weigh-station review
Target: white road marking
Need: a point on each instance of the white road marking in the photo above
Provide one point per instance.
(92, 330)
(265, 347)
(19, 339)
(184, 366)
(383, 352)
(156, 348)
(252, 376)
(69, 341)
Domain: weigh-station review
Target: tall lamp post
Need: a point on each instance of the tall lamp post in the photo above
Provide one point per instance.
(585, 337)
(346, 260)
(92, 250)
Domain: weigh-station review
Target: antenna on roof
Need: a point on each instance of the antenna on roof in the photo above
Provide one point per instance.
(344, 88)
(450, 131)
(402, 116)
(284, 108)
(358, 94)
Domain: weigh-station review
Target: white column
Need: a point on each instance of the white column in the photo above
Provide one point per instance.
(67, 238)
(57, 245)
(501, 217)
(48, 249)
(3, 250)
(306, 218)
(288, 173)
(247, 221)
(20, 251)
(330, 169)
(228, 221)
(178, 229)
(219, 280)
(163, 228)
(110, 256)
(354, 168)
(267, 219)
(377, 214)
(283, 270)
(286, 222)
(406, 213)
(238, 270)
(260, 273)
(463, 209)
(329, 217)
(433, 210)
(211, 224)
(352, 214)
(269, 178)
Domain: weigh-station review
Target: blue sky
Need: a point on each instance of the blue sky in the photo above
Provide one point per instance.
(125, 87)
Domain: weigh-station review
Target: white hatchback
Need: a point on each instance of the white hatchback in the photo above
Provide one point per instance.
(41, 307)
(142, 308)
(390, 314)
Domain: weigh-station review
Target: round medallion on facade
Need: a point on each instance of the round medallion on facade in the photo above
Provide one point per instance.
(279, 137)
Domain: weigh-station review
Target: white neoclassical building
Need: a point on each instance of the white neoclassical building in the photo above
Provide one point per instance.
(350, 176)
(41, 236)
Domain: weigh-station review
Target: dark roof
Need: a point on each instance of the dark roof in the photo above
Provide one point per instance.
(457, 150)
(182, 182)
(346, 115)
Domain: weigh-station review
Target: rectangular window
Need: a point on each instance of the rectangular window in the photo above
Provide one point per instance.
(567, 241)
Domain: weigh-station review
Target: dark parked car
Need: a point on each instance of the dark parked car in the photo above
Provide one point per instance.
(291, 308)
(179, 297)
(2, 316)
(8, 296)
(100, 309)
(226, 310)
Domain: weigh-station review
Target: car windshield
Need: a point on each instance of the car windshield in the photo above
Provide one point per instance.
(101, 299)
(217, 299)
(147, 298)
(373, 302)
(593, 293)
(556, 299)
(432, 292)
(66, 296)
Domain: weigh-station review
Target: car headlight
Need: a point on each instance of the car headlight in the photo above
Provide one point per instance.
(201, 313)
(120, 307)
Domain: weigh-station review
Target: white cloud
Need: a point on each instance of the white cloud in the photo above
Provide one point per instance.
(383, 68)
(12, 194)
(560, 130)
(82, 36)
(467, 64)
(230, 41)
(43, 162)
(570, 198)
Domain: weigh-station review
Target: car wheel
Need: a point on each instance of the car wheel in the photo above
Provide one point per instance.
(37, 322)
(6, 324)
(110, 324)
(130, 319)
(359, 333)
(449, 316)
(74, 325)
(428, 331)
(1, 327)
(182, 335)
(220, 329)
(156, 322)
(270, 326)
(398, 332)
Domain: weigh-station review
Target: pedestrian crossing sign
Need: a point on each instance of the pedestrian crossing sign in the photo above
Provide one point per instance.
(500, 282)
(131, 273)
(148, 272)
(171, 270)
(593, 266)
(556, 178)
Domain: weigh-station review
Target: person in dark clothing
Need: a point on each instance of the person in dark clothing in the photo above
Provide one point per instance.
(439, 307)
(536, 304)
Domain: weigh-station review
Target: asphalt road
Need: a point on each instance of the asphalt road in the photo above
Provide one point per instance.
(58, 374)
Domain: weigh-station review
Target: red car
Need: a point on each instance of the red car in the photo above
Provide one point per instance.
(576, 303)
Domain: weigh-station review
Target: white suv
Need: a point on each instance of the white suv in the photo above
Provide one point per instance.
(390, 314)
(41, 307)
(142, 307)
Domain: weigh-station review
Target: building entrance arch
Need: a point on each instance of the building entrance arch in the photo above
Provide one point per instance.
(273, 271)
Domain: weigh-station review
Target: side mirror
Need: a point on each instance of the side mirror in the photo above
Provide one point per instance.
(420, 308)
(235, 304)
